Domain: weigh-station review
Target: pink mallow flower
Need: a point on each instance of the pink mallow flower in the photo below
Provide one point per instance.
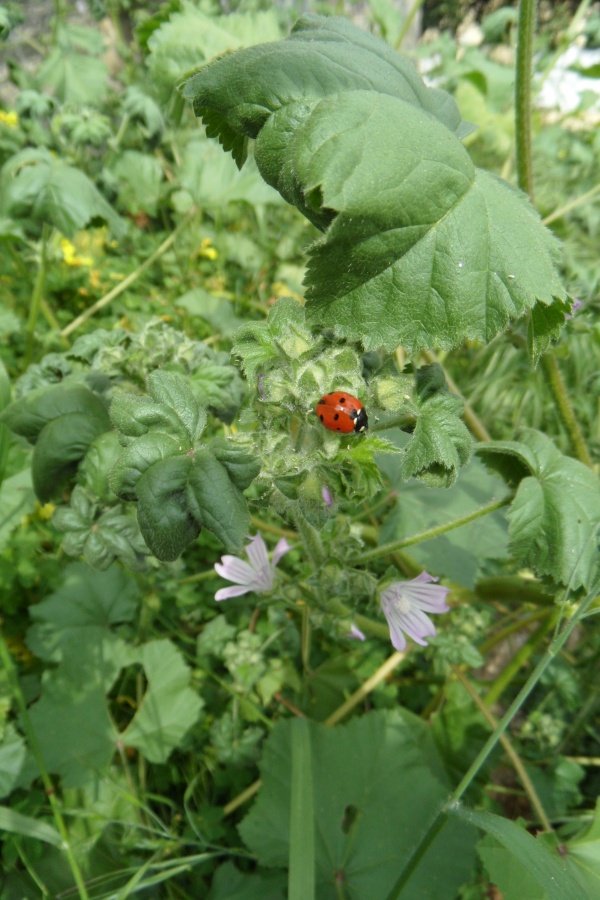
(355, 633)
(405, 604)
(257, 575)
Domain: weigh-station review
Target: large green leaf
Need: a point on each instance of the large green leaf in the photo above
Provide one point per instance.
(75, 78)
(61, 445)
(38, 185)
(547, 869)
(216, 502)
(555, 515)
(169, 708)
(584, 854)
(420, 248)
(165, 521)
(30, 414)
(82, 610)
(190, 35)
(378, 784)
(71, 720)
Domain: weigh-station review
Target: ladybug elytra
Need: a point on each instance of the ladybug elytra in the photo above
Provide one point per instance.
(339, 411)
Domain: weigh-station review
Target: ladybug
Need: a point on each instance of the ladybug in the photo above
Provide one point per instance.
(340, 411)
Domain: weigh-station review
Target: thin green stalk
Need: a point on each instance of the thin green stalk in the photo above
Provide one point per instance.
(565, 408)
(35, 748)
(437, 824)
(527, 10)
(104, 301)
(556, 645)
(407, 23)
(36, 297)
(519, 659)
(472, 420)
(511, 629)
(514, 757)
(561, 211)
(393, 546)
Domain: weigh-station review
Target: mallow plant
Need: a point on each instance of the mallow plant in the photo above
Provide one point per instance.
(144, 441)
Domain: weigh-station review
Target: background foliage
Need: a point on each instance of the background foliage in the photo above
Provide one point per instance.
(157, 378)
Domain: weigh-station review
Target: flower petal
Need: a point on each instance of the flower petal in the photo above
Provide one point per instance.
(398, 639)
(356, 633)
(280, 550)
(417, 626)
(431, 599)
(234, 569)
(226, 593)
(257, 553)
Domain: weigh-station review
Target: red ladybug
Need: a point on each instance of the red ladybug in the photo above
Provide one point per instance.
(340, 411)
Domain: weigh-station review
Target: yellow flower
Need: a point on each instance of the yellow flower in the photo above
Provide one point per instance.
(94, 276)
(46, 511)
(10, 119)
(69, 252)
(207, 250)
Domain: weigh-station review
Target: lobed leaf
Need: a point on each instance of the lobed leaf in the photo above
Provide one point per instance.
(554, 518)
(420, 248)
(440, 444)
(34, 183)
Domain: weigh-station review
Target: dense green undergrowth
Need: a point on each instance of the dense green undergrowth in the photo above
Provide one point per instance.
(177, 295)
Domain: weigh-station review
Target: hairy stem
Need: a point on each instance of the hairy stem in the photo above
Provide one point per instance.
(565, 408)
(527, 10)
(393, 546)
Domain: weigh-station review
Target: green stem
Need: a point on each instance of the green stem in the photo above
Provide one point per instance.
(35, 748)
(499, 636)
(555, 646)
(393, 546)
(565, 408)
(514, 590)
(104, 301)
(471, 419)
(407, 23)
(527, 10)
(525, 180)
(561, 211)
(519, 659)
(514, 757)
(36, 297)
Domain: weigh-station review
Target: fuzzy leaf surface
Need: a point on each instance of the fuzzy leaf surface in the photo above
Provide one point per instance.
(35, 184)
(555, 515)
(169, 708)
(420, 248)
(367, 814)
